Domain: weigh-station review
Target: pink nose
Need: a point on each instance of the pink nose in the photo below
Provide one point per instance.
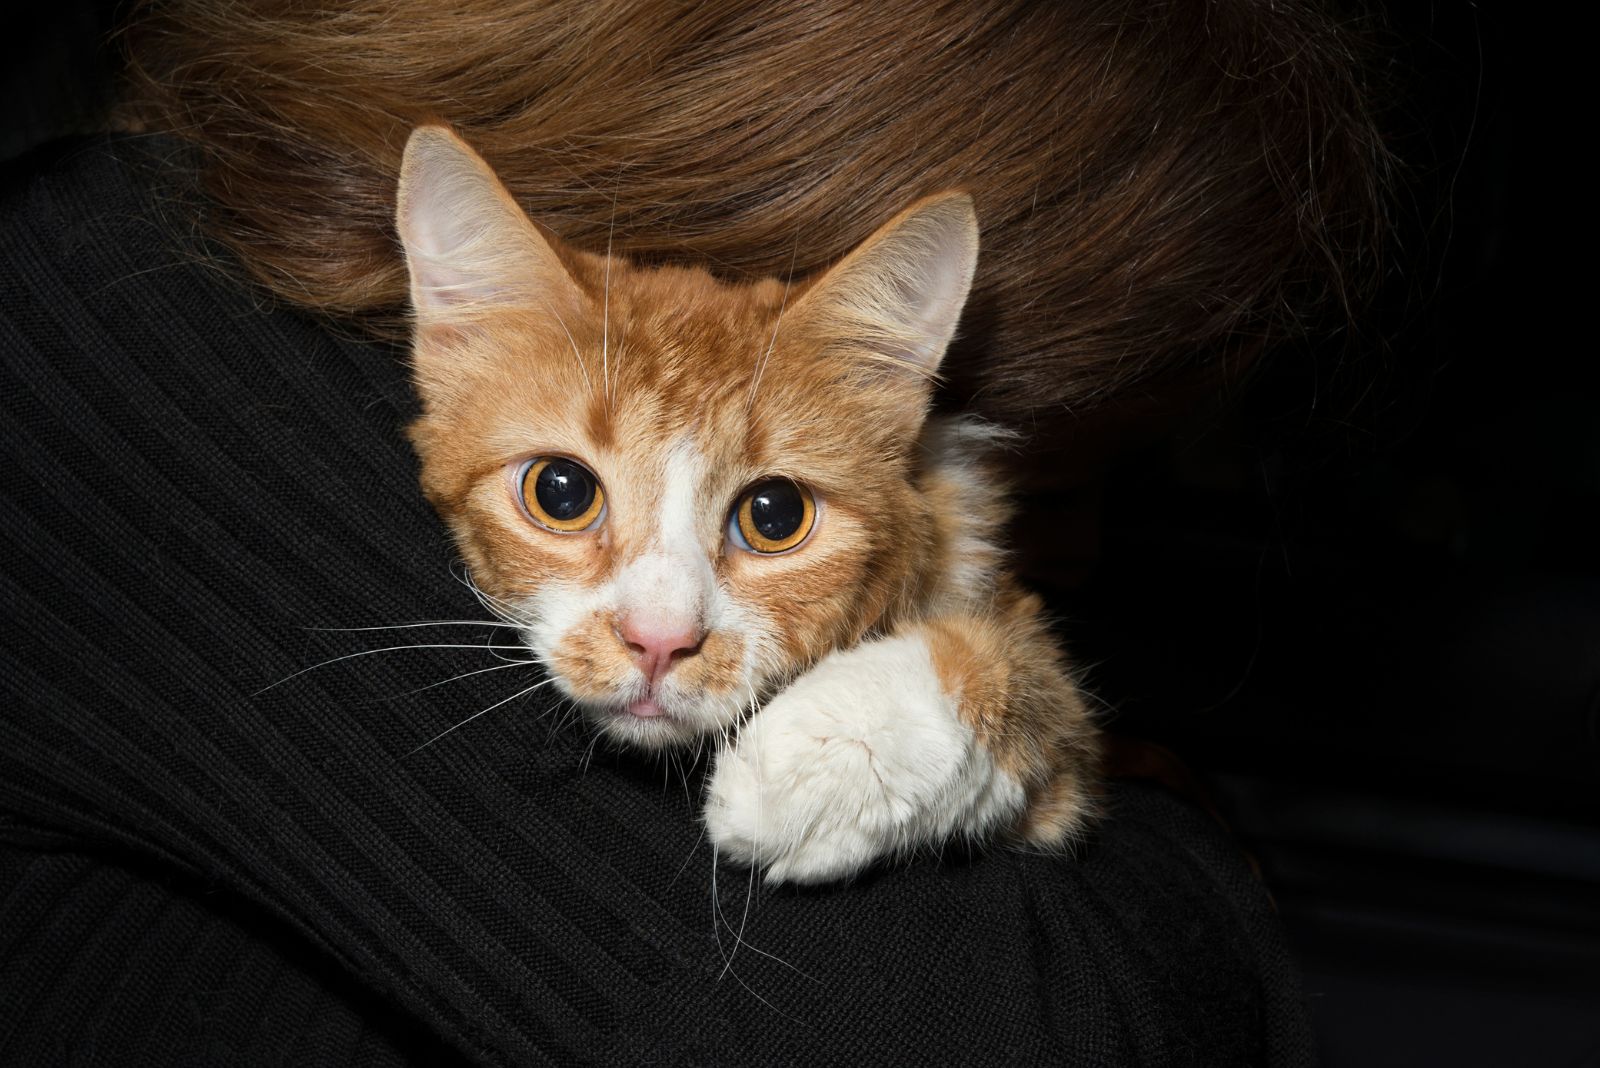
(657, 645)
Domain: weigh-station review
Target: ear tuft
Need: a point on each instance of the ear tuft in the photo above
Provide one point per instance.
(898, 296)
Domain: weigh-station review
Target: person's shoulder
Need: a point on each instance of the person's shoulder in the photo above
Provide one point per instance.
(84, 210)
(108, 229)
(88, 176)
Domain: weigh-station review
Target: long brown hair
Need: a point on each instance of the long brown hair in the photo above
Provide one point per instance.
(1159, 185)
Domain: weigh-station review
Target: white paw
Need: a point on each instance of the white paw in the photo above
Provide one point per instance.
(861, 758)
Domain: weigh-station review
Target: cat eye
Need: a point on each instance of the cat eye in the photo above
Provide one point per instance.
(560, 494)
(773, 516)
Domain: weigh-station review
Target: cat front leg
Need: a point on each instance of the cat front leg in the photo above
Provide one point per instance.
(908, 741)
(862, 757)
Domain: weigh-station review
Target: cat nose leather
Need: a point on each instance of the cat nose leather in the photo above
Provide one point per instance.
(656, 645)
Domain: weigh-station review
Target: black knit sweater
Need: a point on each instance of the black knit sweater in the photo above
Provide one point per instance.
(195, 872)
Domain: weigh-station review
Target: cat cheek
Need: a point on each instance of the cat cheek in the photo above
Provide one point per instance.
(589, 661)
(811, 599)
(718, 668)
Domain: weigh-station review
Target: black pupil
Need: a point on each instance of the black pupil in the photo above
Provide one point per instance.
(564, 490)
(777, 510)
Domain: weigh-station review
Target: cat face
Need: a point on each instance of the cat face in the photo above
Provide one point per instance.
(683, 491)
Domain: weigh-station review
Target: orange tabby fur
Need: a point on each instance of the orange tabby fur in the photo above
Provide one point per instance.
(630, 370)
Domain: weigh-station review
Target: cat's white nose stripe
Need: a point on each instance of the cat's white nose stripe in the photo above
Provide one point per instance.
(664, 587)
(671, 584)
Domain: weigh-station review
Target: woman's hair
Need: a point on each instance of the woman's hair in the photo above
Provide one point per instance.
(1160, 186)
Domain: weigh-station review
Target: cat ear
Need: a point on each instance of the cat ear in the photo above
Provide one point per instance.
(469, 246)
(899, 294)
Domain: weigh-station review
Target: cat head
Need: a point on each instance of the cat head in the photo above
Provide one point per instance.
(684, 491)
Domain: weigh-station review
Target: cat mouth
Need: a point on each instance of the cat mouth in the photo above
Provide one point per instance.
(656, 718)
(646, 708)
(648, 720)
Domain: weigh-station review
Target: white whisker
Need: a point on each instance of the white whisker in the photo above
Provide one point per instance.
(761, 364)
(605, 314)
(587, 381)
(493, 651)
(475, 715)
(569, 711)
(717, 921)
(465, 675)
(588, 754)
(495, 606)
(802, 973)
(750, 888)
(738, 936)
(370, 652)
(684, 866)
(422, 623)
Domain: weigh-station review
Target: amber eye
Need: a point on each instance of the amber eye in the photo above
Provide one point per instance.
(560, 494)
(772, 516)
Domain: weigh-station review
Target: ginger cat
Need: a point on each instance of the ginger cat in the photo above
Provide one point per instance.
(723, 510)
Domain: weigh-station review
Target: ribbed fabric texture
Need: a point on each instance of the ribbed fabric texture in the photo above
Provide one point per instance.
(103, 961)
(193, 871)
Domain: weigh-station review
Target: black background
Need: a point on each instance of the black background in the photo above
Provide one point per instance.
(1363, 598)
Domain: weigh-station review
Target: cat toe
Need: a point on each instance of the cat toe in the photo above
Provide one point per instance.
(807, 808)
(860, 759)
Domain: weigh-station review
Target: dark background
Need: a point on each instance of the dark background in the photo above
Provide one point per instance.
(1364, 600)
(1360, 596)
